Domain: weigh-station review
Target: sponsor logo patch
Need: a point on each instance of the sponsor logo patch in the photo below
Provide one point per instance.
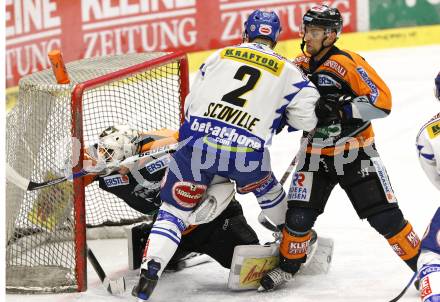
(412, 238)
(260, 187)
(327, 81)
(297, 248)
(116, 180)
(188, 194)
(301, 186)
(158, 164)
(225, 137)
(425, 288)
(384, 180)
(253, 269)
(398, 249)
(265, 29)
(374, 91)
(433, 129)
(335, 66)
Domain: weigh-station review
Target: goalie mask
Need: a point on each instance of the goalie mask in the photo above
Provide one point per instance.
(117, 143)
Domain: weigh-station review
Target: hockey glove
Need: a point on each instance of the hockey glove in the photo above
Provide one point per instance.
(327, 111)
(333, 108)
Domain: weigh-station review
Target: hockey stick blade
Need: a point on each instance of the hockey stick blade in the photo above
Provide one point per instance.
(405, 289)
(114, 287)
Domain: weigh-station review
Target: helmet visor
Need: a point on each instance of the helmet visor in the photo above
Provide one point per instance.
(315, 32)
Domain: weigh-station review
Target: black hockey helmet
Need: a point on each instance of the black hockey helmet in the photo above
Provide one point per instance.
(324, 16)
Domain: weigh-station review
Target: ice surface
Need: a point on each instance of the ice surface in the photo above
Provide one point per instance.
(364, 267)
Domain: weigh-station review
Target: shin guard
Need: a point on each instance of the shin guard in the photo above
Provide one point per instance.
(293, 249)
(406, 244)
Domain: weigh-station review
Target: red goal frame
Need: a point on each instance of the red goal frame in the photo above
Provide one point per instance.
(77, 132)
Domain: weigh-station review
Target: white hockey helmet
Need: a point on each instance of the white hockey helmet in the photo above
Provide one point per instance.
(116, 143)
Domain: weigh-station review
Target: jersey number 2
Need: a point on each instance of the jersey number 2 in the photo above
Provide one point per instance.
(233, 97)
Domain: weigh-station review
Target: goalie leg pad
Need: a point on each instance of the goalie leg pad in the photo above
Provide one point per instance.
(219, 237)
(137, 238)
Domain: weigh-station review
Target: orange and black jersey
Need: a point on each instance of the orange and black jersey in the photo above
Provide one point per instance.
(344, 72)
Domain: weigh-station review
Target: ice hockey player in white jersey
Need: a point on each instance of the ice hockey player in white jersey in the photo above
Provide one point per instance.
(240, 97)
(428, 265)
(428, 144)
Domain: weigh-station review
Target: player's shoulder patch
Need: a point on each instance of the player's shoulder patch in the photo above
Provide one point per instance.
(336, 66)
(433, 129)
(301, 59)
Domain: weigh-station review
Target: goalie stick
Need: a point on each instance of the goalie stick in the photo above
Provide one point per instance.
(262, 219)
(112, 286)
(29, 185)
(294, 161)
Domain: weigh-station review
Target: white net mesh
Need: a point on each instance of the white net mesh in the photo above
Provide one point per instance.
(40, 224)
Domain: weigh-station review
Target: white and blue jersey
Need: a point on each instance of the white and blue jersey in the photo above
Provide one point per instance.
(431, 240)
(240, 97)
(428, 147)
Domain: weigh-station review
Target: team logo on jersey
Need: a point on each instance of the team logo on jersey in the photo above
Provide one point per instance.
(188, 194)
(265, 29)
(374, 94)
(384, 180)
(433, 129)
(327, 81)
(116, 180)
(157, 165)
(301, 186)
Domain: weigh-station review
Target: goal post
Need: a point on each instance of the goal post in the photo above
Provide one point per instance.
(51, 126)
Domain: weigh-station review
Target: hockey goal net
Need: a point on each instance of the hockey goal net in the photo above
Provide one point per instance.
(46, 229)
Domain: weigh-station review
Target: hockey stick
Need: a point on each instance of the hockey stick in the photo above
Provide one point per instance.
(294, 161)
(262, 219)
(29, 185)
(112, 286)
(397, 298)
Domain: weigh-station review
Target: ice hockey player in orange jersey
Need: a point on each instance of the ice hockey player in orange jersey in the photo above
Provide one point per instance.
(342, 149)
